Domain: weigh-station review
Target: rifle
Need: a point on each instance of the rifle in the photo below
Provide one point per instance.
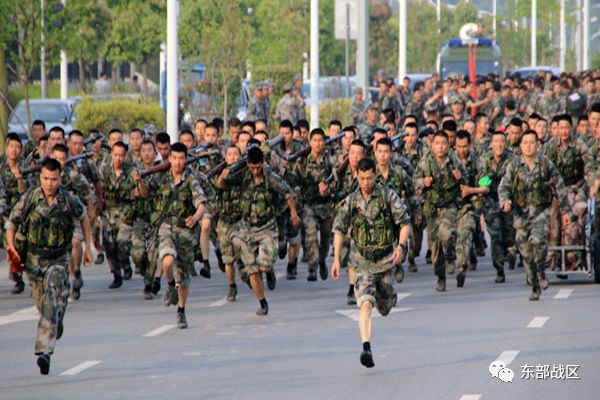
(339, 171)
(241, 163)
(398, 141)
(200, 147)
(306, 150)
(167, 164)
(92, 139)
(38, 166)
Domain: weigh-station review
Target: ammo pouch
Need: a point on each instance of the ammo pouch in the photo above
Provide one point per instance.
(374, 253)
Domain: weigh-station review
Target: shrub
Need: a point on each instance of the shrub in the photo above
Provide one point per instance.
(121, 114)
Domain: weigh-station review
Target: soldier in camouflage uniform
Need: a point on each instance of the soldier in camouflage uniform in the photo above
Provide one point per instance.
(254, 110)
(256, 234)
(287, 107)
(397, 179)
(358, 108)
(318, 208)
(14, 186)
(378, 222)
(498, 223)
(439, 177)
(370, 124)
(179, 205)
(470, 212)
(118, 213)
(527, 188)
(38, 130)
(572, 158)
(43, 221)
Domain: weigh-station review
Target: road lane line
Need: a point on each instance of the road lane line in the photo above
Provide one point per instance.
(563, 294)
(159, 331)
(26, 314)
(81, 367)
(470, 397)
(354, 314)
(508, 356)
(538, 322)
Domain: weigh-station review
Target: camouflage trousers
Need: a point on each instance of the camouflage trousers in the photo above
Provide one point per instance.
(287, 232)
(152, 253)
(377, 288)
(571, 234)
(441, 235)
(466, 226)
(258, 246)
(229, 252)
(140, 239)
(116, 239)
(502, 233)
(318, 221)
(50, 288)
(532, 228)
(416, 237)
(180, 243)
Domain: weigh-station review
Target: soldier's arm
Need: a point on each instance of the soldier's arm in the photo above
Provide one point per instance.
(559, 188)
(341, 225)
(198, 198)
(3, 202)
(505, 187)
(588, 163)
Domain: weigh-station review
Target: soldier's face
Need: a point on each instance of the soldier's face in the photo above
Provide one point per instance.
(288, 136)
(554, 129)
(234, 131)
(75, 144)
(529, 145)
(366, 181)
(483, 125)
(177, 160)
(148, 153)
(457, 108)
(469, 126)
(232, 155)
(355, 154)
(334, 130)
(261, 126)
(317, 143)
(358, 96)
(55, 138)
(135, 140)
(163, 150)
(514, 134)
(594, 120)
(13, 150)
(347, 139)
(564, 130)
(583, 126)
(114, 138)
(411, 139)
(383, 154)
(37, 131)
(462, 147)
(498, 145)
(199, 131)
(242, 142)
(255, 169)
(187, 140)
(451, 138)
(304, 134)
(542, 129)
(60, 157)
(440, 146)
(118, 156)
(210, 135)
(49, 181)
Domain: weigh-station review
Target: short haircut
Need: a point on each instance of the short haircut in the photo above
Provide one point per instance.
(119, 144)
(232, 146)
(253, 142)
(411, 125)
(249, 124)
(57, 129)
(516, 122)
(39, 122)
(255, 155)
(366, 164)
(75, 132)
(212, 125)
(51, 164)
(150, 142)
(359, 143)
(133, 130)
(186, 132)
(317, 131)
(462, 134)
(13, 137)
(441, 134)
(234, 122)
(178, 147)
(449, 126)
(286, 123)
(566, 117)
(384, 142)
(163, 138)
(302, 123)
(61, 148)
(114, 130)
(335, 122)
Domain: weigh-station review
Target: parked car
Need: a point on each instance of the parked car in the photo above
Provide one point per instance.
(54, 112)
(532, 72)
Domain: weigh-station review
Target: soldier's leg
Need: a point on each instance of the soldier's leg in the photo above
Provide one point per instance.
(205, 232)
(223, 231)
(124, 250)
(446, 232)
(75, 261)
(416, 238)
(365, 299)
(437, 253)
(152, 275)
(494, 220)
(538, 239)
(109, 242)
(385, 295)
(281, 231)
(326, 235)
(249, 243)
(464, 243)
(138, 246)
(184, 243)
(479, 238)
(574, 232)
(312, 244)
(509, 240)
(293, 238)
(52, 306)
(554, 235)
(97, 235)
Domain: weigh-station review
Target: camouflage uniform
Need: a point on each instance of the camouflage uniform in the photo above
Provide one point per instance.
(117, 217)
(574, 163)
(530, 191)
(416, 217)
(230, 214)
(287, 108)
(440, 207)
(142, 233)
(499, 224)
(373, 225)
(255, 111)
(356, 113)
(256, 234)
(480, 147)
(318, 211)
(47, 231)
(366, 131)
(173, 203)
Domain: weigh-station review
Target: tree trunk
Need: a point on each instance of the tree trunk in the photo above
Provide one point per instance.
(3, 105)
(145, 78)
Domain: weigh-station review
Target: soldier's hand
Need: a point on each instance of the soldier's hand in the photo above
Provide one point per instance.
(507, 206)
(284, 164)
(335, 269)
(427, 181)
(323, 188)
(191, 221)
(465, 191)
(224, 174)
(456, 174)
(398, 254)
(18, 174)
(135, 175)
(295, 220)
(88, 258)
(99, 206)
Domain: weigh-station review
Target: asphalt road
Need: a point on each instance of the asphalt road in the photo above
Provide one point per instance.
(432, 346)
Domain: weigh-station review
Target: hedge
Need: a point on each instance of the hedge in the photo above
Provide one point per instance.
(121, 114)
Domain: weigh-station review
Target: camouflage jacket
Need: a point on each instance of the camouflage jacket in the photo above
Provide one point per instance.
(76, 183)
(373, 223)
(495, 171)
(531, 190)
(414, 155)
(401, 182)
(11, 185)
(574, 162)
(118, 192)
(310, 173)
(475, 171)
(356, 112)
(175, 201)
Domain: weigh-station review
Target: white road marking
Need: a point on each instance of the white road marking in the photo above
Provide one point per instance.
(563, 294)
(402, 296)
(538, 322)
(508, 356)
(81, 367)
(26, 314)
(470, 397)
(354, 314)
(219, 303)
(159, 331)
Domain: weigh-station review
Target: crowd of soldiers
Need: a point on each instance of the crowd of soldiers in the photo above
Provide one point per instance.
(518, 158)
